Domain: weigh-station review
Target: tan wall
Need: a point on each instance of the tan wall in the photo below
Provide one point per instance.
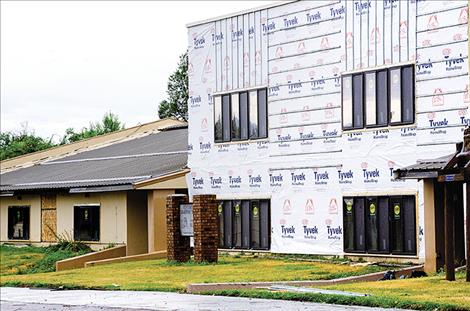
(112, 214)
(34, 201)
(157, 219)
(137, 234)
(430, 264)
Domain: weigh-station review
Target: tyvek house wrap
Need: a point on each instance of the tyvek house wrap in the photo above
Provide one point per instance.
(299, 51)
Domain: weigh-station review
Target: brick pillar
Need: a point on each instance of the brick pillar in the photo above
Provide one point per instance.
(206, 231)
(178, 248)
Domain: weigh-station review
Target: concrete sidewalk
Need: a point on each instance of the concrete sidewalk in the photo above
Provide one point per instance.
(43, 299)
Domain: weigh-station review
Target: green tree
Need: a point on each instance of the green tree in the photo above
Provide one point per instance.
(109, 123)
(16, 144)
(176, 105)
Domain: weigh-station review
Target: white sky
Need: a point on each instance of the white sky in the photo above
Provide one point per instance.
(64, 64)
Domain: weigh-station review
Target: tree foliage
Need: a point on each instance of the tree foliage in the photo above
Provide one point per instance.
(15, 144)
(176, 105)
(109, 123)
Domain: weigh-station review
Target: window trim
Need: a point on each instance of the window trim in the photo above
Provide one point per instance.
(100, 218)
(389, 125)
(240, 91)
(29, 224)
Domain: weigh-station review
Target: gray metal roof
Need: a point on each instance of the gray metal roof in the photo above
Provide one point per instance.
(423, 168)
(122, 163)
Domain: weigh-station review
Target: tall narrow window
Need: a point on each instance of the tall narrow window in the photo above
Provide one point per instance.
(246, 224)
(407, 85)
(220, 213)
(358, 110)
(264, 224)
(87, 223)
(226, 117)
(371, 224)
(228, 224)
(382, 97)
(395, 96)
(371, 103)
(409, 225)
(244, 116)
(253, 104)
(384, 231)
(237, 224)
(235, 118)
(218, 135)
(359, 225)
(262, 114)
(347, 102)
(18, 222)
(397, 225)
(255, 224)
(348, 213)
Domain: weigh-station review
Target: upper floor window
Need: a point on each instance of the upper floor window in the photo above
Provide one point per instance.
(378, 98)
(240, 116)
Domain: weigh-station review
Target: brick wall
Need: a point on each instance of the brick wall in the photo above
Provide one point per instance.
(206, 232)
(178, 248)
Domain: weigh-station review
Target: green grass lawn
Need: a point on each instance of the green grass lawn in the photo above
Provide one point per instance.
(427, 293)
(14, 260)
(164, 276)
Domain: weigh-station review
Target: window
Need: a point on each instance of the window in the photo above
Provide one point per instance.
(86, 223)
(18, 222)
(241, 116)
(244, 224)
(380, 225)
(383, 97)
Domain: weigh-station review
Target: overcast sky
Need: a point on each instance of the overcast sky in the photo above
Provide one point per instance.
(64, 64)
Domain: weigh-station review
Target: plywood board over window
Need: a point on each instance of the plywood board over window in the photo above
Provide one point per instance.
(49, 218)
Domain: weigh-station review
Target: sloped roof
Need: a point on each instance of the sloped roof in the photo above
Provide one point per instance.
(423, 168)
(123, 163)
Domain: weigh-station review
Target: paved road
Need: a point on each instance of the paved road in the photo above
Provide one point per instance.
(26, 299)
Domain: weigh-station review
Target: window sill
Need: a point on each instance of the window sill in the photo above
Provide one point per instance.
(236, 142)
(379, 128)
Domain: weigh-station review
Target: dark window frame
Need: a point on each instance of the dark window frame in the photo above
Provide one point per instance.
(77, 223)
(354, 127)
(249, 138)
(27, 225)
(229, 243)
(391, 230)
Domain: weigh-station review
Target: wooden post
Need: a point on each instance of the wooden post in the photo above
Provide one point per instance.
(468, 231)
(449, 232)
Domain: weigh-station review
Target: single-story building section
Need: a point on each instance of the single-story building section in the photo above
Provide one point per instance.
(114, 194)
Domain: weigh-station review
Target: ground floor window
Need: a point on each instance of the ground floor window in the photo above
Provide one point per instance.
(244, 224)
(380, 225)
(86, 223)
(18, 222)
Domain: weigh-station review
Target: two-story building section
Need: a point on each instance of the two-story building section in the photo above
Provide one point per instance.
(300, 111)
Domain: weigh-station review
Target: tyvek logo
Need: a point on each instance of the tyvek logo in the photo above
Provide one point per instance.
(326, 133)
(391, 167)
(195, 101)
(424, 68)
(320, 178)
(438, 98)
(198, 183)
(297, 179)
(273, 91)
(301, 47)
(334, 233)
(309, 232)
(315, 17)
(287, 207)
(204, 147)
(291, 22)
(345, 177)
(325, 44)
(433, 23)
(286, 231)
(267, 27)
(216, 182)
(234, 181)
(463, 117)
(370, 176)
(198, 41)
(217, 38)
(436, 123)
(309, 207)
(279, 52)
(204, 125)
(349, 40)
(463, 16)
(375, 37)
(305, 137)
(403, 29)
(454, 64)
(254, 180)
(283, 138)
(275, 180)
